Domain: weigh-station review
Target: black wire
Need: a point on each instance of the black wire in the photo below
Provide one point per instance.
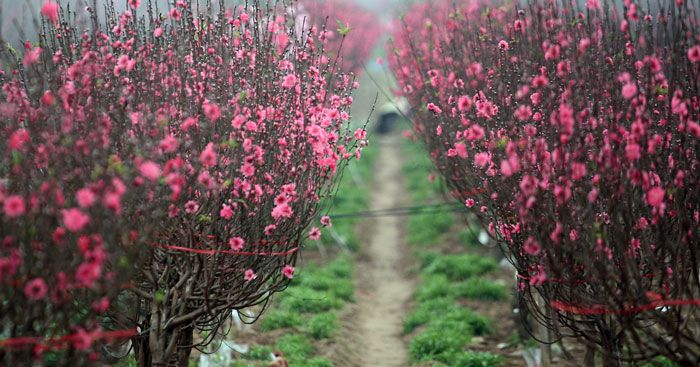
(402, 211)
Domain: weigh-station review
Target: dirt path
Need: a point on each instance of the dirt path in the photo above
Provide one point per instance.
(383, 286)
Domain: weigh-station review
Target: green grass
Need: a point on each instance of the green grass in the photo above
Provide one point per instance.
(476, 359)
(258, 353)
(434, 286)
(433, 343)
(446, 334)
(482, 289)
(318, 362)
(296, 348)
(327, 280)
(427, 229)
(461, 318)
(458, 267)
(443, 311)
(470, 236)
(660, 362)
(280, 319)
(306, 300)
(341, 267)
(426, 312)
(323, 326)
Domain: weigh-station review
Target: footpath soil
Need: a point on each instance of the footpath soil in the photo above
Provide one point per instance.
(384, 285)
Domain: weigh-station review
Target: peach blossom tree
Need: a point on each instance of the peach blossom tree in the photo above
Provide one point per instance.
(571, 131)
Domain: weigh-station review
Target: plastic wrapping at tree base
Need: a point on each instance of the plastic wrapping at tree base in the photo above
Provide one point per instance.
(578, 122)
(158, 171)
(346, 25)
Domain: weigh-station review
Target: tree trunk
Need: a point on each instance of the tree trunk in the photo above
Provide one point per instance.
(141, 351)
(589, 360)
(611, 346)
(544, 333)
(184, 348)
(611, 360)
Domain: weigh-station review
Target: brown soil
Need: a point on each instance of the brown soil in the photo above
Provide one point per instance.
(383, 286)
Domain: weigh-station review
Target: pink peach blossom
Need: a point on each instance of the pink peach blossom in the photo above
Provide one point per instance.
(236, 243)
(14, 206)
(50, 10)
(85, 197)
(35, 289)
(288, 271)
(655, 196)
(74, 219)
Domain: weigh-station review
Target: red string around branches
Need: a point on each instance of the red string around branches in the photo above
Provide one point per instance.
(60, 342)
(627, 310)
(228, 252)
(567, 281)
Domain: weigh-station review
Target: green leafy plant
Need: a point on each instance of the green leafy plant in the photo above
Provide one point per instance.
(470, 236)
(482, 289)
(318, 362)
(434, 286)
(280, 319)
(306, 300)
(323, 326)
(426, 312)
(459, 267)
(295, 347)
(433, 343)
(258, 353)
(476, 359)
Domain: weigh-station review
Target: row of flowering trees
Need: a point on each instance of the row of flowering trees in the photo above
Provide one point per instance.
(341, 18)
(571, 129)
(158, 171)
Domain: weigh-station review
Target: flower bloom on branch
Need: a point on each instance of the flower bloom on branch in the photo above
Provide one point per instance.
(211, 111)
(150, 170)
(655, 196)
(290, 81)
(694, 54)
(314, 234)
(50, 11)
(85, 197)
(31, 56)
(35, 289)
(14, 206)
(288, 271)
(282, 211)
(434, 108)
(226, 212)
(236, 243)
(208, 156)
(249, 275)
(360, 134)
(175, 14)
(326, 221)
(74, 219)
